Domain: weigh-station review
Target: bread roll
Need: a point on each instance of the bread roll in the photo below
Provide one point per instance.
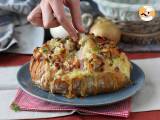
(105, 28)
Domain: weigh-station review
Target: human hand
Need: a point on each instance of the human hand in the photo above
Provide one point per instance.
(50, 13)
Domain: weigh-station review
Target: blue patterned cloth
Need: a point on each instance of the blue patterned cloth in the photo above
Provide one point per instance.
(13, 13)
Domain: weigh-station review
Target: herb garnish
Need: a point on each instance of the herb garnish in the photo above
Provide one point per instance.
(45, 50)
(15, 107)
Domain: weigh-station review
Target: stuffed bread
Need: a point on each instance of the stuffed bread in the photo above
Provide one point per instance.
(90, 67)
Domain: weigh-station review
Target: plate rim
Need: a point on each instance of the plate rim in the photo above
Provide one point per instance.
(75, 104)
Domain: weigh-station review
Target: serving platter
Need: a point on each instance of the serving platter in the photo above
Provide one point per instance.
(25, 82)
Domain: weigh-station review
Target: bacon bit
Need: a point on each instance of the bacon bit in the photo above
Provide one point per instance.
(81, 64)
(76, 63)
(100, 40)
(90, 67)
(53, 71)
(120, 50)
(57, 65)
(116, 69)
(41, 58)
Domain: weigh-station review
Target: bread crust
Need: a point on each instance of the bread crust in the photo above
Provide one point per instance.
(77, 80)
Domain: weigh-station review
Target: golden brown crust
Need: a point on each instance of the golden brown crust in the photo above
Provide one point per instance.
(105, 28)
(58, 70)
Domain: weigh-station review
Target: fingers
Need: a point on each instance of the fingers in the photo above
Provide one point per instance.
(35, 16)
(47, 15)
(43, 16)
(58, 8)
(74, 6)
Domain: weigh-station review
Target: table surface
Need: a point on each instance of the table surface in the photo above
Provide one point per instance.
(17, 59)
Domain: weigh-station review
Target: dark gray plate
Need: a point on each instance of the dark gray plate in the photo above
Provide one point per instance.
(24, 80)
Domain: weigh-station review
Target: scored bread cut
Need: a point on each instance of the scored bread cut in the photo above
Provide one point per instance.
(91, 66)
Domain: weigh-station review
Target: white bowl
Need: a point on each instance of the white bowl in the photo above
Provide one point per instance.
(58, 32)
(124, 10)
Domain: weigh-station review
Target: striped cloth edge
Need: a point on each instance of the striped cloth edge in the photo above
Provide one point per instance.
(25, 102)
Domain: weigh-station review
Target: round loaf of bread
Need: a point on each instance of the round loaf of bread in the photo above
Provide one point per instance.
(89, 67)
